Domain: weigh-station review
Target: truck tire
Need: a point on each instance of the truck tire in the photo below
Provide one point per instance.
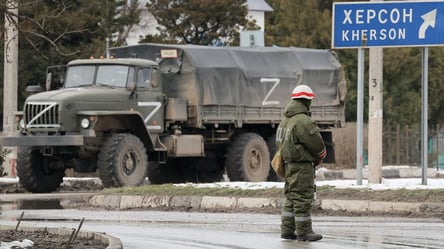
(34, 173)
(123, 161)
(248, 158)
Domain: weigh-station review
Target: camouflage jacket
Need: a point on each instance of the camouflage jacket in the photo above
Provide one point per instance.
(299, 135)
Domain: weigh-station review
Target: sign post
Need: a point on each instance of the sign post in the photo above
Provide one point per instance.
(390, 24)
(424, 114)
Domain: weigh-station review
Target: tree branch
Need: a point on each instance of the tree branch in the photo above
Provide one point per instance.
(51, 42)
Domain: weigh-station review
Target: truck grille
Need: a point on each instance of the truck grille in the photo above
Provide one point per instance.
(41, 115)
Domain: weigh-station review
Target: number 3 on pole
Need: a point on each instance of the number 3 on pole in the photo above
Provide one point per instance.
(374, 83)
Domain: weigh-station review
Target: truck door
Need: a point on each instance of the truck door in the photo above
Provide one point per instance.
(150, 99)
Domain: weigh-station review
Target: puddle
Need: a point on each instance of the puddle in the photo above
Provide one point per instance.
(39, 204)
(51, 204)
(31, 204)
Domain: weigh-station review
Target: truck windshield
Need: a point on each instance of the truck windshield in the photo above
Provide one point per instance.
(109, 75)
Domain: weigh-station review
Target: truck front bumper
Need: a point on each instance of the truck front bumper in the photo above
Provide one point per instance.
(18, 140)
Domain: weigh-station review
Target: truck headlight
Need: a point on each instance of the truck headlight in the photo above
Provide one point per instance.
(84, 123)
(21, 124)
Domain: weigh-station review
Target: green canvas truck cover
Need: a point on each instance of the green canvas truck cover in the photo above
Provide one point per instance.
(243, 76)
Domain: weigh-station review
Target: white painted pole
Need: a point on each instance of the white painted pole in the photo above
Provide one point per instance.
(10, 80)
(375, 127)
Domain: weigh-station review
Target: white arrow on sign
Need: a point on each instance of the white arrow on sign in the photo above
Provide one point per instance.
(429, 21)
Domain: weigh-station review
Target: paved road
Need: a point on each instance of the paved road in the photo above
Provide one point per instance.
(182, 230)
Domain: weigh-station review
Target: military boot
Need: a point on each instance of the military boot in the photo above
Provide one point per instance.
(289, 237)
(287, 226)
(305, 232)
(309, 237)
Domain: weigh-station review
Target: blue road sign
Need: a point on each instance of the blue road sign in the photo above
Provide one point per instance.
(388, 24)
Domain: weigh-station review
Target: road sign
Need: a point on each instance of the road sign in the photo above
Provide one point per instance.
(388, 24)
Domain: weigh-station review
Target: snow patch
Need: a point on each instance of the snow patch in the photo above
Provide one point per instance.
(16, 244)
(403, 183)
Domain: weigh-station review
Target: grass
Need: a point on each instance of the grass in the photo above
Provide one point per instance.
(323, 192)
(171, 190)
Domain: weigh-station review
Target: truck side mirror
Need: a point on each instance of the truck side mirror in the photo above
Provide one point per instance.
(48, 81)
(155, 78)
(131, 87)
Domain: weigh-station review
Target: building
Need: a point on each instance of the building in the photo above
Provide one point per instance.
(148, 24)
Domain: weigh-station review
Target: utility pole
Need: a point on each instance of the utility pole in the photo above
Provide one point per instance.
(375, 115)
(375, 127)
(10, 80)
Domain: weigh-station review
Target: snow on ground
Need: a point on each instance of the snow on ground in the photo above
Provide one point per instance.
(402, 183)
(387, 183)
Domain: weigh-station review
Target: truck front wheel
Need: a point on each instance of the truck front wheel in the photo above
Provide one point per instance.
(248, 158)
(122, 161)
(37, 173)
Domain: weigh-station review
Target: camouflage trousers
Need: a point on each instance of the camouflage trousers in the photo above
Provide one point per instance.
(299, 192)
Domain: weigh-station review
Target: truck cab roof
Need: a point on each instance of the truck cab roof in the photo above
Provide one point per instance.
(121, 61)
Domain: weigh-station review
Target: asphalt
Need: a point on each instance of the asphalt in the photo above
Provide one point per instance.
(211, 202)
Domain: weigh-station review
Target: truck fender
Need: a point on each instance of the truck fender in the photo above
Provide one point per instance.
(121, 120)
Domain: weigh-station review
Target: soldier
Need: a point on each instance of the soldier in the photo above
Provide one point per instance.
(302, 149)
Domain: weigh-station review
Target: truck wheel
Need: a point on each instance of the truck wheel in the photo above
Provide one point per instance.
(122, 161)
(35, 173)
(248, 158)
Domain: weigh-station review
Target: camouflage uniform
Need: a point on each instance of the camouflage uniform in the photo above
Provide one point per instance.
(302, 149)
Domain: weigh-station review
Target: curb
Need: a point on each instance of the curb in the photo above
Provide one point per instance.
(196, 202)
(113, 242)
(214, 202)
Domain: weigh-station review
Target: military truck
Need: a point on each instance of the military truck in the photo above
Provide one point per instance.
(170, 113)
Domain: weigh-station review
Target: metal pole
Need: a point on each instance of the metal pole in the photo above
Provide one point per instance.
(107, 47)
(360, 117)
(424, 114)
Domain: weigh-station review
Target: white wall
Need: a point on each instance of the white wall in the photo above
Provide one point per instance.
(259, 17)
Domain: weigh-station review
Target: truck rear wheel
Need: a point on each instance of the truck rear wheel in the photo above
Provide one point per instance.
(248, 158)
(122, 161)
(35, 171)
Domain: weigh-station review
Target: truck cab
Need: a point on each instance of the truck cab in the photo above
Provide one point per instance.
(67, 127)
